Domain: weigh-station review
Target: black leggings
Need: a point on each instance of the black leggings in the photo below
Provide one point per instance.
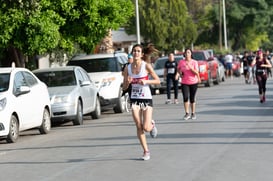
(189, 91)
(261, 81)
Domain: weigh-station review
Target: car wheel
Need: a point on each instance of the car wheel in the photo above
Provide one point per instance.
(223, 78)
(79, 116)
(128, 104)
(209, 82)
(13, 130)
(237, 73)
(217, 80)
(46, 123)
(97, 112)
(153, 91)
(120, 105)
(162, 91)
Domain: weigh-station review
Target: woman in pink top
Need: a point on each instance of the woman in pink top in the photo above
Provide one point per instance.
(189, 72)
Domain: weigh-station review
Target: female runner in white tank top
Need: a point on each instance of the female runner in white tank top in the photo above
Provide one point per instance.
(137, 73)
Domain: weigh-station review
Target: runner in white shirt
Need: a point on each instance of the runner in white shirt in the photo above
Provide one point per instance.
(228, 62)
(137, 73)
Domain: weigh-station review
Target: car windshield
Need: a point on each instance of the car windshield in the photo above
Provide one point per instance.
(98, 65)
(57, 78)
(198, 56)
(4, 82)
(160, 63)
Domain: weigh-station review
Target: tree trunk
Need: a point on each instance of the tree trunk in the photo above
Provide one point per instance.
(106, 45)
(237, 42)
(13, 55)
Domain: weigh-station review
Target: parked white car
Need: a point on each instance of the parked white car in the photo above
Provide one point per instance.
(24, 103)
(105, 71)
(72, 93)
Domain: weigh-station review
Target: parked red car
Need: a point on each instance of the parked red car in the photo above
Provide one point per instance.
(208, 67)
(236, 68)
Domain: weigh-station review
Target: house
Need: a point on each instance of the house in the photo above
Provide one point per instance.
(123, 41)
(115, 40)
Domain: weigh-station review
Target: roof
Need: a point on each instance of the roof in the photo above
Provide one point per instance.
(98, 56)
(10, 69)
(175, 56)
(63, 68)
(121, 36)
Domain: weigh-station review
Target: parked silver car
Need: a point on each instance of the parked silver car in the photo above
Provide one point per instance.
(72, 93)
(105, 70)
(221, 71)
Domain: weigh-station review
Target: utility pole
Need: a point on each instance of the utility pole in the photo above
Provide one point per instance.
(220, 25)
(137, 23)
(225, 26)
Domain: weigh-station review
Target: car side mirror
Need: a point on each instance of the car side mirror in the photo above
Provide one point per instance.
(22, 90)
(85, 83)
(210, 58)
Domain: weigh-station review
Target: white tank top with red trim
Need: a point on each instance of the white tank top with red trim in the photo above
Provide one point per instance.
(139, 91)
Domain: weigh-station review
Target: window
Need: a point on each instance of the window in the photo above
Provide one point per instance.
(96, 65)
(19, 81)
(121, 61)
(106, 64)
(4, 82)
(57, 78)
(31, 81)
(160, 63)
(79, 76)
(198, 56)
(84, 75)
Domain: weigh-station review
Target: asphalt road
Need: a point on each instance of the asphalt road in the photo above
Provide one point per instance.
(231, 140)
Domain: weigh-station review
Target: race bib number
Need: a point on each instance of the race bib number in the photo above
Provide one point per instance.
(137, 91)
(171, 71)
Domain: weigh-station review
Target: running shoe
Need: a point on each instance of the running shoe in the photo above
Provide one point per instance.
(187, 116)
(168, 101)
(193, 116)
(175, 101)
(153, 133)
(146, 156)
(263, 98)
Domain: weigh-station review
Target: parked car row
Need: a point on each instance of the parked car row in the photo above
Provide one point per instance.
(88, 84)
(105, 71)
(211, 70)
(237, 67)
(208, 67)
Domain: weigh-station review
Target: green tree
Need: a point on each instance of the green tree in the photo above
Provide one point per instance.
(248, 24)
(31, 27)
(245, 15)
(202, 13)
(165, 23)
